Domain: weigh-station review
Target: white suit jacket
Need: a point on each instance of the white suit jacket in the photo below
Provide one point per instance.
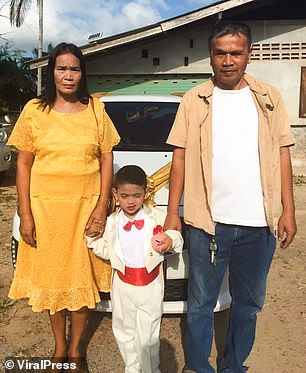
(108, 246)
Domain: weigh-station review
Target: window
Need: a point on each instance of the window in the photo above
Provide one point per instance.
(142, 125)
(156, 61)
(278, 51)
(145, 53)
(303, 93)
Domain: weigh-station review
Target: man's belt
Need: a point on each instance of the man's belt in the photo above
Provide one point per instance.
(138, 276)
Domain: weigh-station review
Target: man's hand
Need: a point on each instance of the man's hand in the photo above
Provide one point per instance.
(173, 221)
(176, 187)
(286, 229)
(286, 224)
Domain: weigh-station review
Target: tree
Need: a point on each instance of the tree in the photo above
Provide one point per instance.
(18, 11)
(17, 81)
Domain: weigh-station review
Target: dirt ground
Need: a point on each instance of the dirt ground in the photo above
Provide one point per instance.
(280, 344)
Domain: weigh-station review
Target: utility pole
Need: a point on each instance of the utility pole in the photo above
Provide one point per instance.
(40, 44)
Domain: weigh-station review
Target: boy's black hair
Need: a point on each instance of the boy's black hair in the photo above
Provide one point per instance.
(228, 27)
(130, 174)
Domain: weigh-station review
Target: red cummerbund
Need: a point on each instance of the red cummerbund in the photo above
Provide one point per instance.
(138, 276)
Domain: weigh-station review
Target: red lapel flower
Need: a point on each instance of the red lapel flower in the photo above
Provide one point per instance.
(157, 229)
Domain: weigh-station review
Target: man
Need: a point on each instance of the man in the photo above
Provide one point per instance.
(232, 159)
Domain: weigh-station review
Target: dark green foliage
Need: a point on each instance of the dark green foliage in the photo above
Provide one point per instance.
(17, 81)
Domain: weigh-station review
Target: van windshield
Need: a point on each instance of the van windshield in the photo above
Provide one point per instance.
(142, 126)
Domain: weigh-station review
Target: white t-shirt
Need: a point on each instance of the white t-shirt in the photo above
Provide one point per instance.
(132, 242)
(236, 186)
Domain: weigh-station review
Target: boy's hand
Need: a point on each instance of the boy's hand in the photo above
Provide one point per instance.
(161, 242)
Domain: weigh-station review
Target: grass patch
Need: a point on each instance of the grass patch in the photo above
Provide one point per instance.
(21, 352)
(5, 303)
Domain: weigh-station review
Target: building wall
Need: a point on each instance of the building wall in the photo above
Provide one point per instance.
(285, 75)
(172, 48)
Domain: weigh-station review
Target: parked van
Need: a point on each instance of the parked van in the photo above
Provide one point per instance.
(5, 151)
(143, 123)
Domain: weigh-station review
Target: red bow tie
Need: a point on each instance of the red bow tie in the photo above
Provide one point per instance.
(138, 224)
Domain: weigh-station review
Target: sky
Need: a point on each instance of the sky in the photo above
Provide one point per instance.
(74, 20)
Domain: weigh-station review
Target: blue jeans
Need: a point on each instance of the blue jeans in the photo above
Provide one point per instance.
(248, 253)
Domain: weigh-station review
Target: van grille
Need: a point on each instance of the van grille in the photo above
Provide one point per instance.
(176, 290)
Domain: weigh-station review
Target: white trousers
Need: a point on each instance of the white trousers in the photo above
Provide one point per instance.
(136, 318)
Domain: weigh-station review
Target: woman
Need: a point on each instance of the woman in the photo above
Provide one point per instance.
(64, 175)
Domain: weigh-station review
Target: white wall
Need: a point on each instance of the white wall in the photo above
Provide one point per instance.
(285, 76)
(173, 46)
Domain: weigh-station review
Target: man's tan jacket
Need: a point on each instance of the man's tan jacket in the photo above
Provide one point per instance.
(192, 130)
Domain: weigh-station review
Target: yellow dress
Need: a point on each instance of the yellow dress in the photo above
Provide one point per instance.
(61, 273)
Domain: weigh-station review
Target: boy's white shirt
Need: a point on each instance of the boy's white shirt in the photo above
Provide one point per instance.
(108, 246)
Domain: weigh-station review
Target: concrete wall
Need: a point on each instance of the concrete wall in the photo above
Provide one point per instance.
(171, 48)
(285, 76)
(298, 152)
(174, 46)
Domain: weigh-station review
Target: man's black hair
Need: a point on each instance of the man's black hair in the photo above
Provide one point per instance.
(130, 174)
(228, 27)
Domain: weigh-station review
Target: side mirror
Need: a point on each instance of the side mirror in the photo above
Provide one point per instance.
(8, 119)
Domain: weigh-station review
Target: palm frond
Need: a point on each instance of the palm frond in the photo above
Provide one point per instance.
(18, 11)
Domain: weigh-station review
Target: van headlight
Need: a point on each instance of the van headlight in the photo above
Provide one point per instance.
(3, 135)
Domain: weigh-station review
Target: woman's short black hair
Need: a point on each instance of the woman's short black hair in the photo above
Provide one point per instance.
(130, 174)
(49, 96)
(228, 27)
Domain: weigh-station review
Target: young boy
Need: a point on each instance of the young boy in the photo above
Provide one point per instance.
(134, 242)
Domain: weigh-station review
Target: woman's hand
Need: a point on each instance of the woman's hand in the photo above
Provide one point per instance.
(93, 229)
(27, 229)
(96, 223)
(27, 225)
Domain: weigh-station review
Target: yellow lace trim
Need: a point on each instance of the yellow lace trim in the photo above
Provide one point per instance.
(54, 300)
